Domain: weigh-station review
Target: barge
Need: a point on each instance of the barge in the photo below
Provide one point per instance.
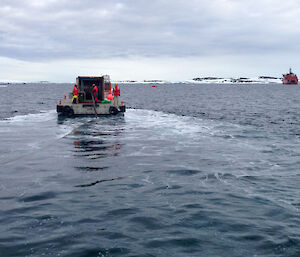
(91, 96)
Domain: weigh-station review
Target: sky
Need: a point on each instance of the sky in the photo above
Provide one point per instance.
(58, 40)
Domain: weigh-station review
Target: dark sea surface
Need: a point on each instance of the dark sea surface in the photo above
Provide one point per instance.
(189, 170)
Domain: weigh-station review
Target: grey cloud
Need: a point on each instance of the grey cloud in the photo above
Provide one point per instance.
(50, 29)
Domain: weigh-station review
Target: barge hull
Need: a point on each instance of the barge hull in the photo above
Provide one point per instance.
(87, 109)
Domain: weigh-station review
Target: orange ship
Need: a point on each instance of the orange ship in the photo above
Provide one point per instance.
(290, 78)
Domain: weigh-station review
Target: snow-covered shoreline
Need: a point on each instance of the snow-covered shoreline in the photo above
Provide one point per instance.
(204, 80)
(208, 80)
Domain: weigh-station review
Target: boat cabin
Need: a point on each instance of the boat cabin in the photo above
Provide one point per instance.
(85, 86)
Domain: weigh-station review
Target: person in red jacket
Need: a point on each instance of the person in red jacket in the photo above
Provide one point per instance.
(75, 94)
(116, 90)
(95, 93)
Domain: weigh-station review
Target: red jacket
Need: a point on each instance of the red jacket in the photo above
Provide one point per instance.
(116, 90)
(95, 92)
(75, 90)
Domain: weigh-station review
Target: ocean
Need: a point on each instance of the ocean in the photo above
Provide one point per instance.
(188, 170)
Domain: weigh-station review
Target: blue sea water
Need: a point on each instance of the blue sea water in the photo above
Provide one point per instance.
(189, 170)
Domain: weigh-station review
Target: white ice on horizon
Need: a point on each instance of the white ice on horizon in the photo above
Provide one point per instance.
(207, 81)
(256, 80)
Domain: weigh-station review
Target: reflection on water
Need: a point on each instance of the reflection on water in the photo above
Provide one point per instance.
(98, 181)
(94, 138)
(91, 168)
(95, 143)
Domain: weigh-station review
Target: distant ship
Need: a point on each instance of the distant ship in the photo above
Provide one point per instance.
(290, 78)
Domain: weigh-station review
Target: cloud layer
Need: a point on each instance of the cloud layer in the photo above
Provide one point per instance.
(41, 31)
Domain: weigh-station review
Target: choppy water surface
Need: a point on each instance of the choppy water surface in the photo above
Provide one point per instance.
(189, 170)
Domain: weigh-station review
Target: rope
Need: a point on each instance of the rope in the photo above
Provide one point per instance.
(94, 104)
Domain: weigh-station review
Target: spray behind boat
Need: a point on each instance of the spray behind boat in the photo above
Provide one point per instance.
(108, 99)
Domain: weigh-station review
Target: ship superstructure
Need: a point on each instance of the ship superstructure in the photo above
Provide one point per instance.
(290, 78)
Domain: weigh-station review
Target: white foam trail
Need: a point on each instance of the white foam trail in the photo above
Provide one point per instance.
(32, 117)
(32, 133)
(38, 121)
(195, 135)
(172, 124)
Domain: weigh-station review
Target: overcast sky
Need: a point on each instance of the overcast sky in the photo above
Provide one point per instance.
(57, 40)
